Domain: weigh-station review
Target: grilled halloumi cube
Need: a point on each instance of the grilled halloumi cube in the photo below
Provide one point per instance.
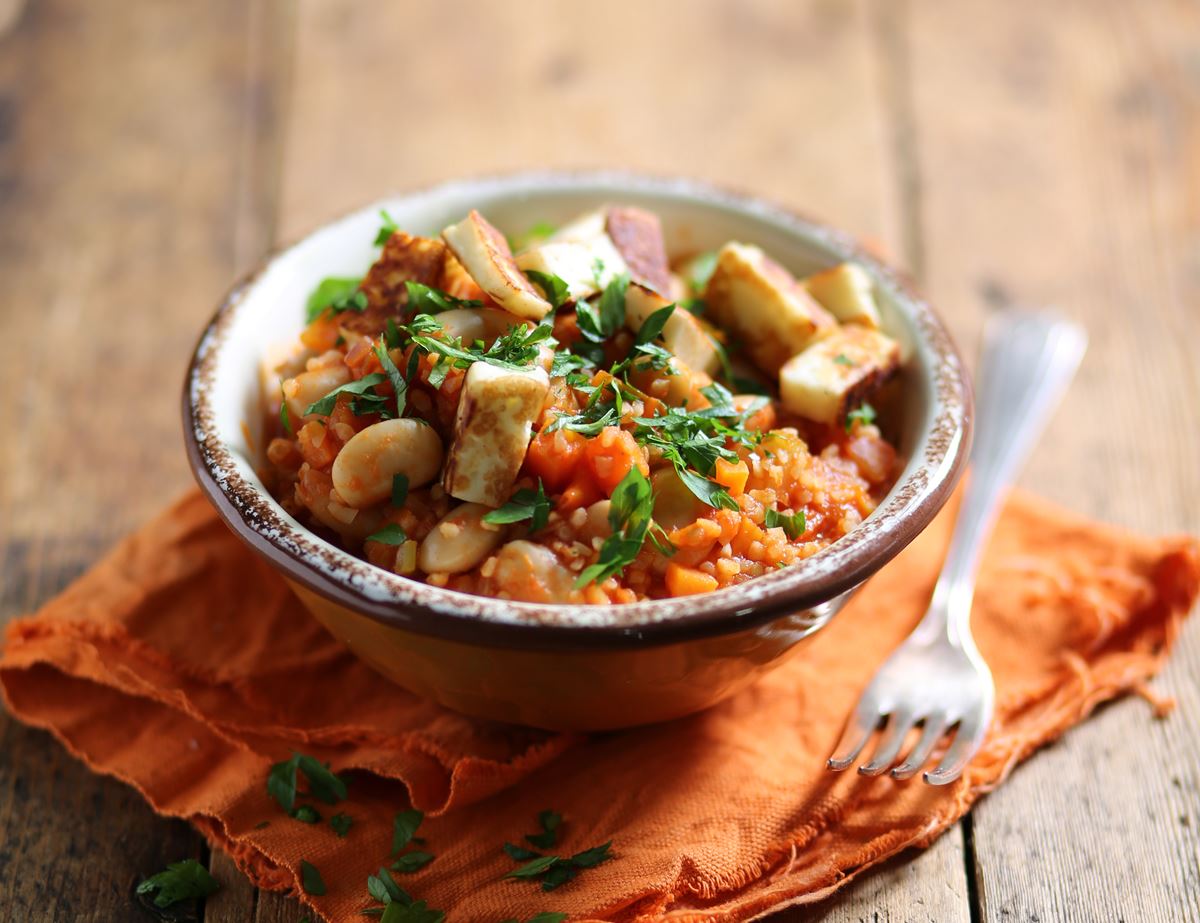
(637, 235)
(762, 304)
(496, 412)
(404, 258)
(486, 256)
(845, 292)
(683, 334)
(576, 263)
(825, 381)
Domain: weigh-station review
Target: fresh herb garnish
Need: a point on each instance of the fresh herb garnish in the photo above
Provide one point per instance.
(412, 861)
(323, 784)
(310, 879)
(843, 359)
(653, 327)
(517, 349)
(399, 385)
(629, 516)
(399, 489)
(384, 889)
(285, 418)
(341, 824)
(324, 406)
(388, 228)
(519, 853)
(864, 414)
(600, 321)
(793, 525)
(404, 828)
(701, 271)
(555, 289)
(330, 291)
(533, 505)
(550, 821)
(307, 814)
(391, 534)
(423, 299)
(179, 881)
(533, 868)
(539, 231)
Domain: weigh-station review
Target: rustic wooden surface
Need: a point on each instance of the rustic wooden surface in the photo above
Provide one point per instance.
(1045, 153)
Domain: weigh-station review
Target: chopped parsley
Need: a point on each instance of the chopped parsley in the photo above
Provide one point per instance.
(843, 359)
(285, 418)
(864, 415)
(331, 292)
(533, 505)
(387, 229)
(793, 525)
(549, 821)
(600, 321)
(307, 814)
(701, 271)
(399, 385)
(555, 870)
(399, 489)
(179, 881)
(630, 518)
(310, 879)
(404, 828)
(517, 349)
(391, 534)
(555, 289)
(412, 861)
(341, 824)
(323, 784)
(422, 299)
(361, 388)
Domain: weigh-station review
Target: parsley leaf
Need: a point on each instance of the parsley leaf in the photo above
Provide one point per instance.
(555, 289)
(653, 327)
(310, 879)
(329, 291)
(629, 516)
(307, 814)
(701, 271)
(324, 407)
(533, 868)
(384, 889)
(865, 415)
(322, 784)
(590, 858)
(793, 525)
(600, 321)
(391, 534)
(412, 861)
(180, 881)
(387, 230)
(550, 822)
(285, 418)
(404, 827)
(423, 299)
(399, 489)
(558, 875)
(341, 824)
(399, 385)
(524, 504)
(843, 359)
(519, 853)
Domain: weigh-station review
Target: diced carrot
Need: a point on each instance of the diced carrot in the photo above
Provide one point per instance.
(322, 334)
(318, 445)
(732, 475)
(610, 455)
(762, 419)
(553, 457)
(582, 491)
(687, 581)
(566, 329)
(362, 360)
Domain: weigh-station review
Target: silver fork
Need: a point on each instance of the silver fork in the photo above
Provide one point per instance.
(937, 678)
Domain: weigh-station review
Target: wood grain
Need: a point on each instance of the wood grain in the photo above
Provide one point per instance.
(127, 198)
(1057, 161)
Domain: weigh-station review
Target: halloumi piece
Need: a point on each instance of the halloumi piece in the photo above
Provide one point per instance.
(486, 256)
(496, 412)
(637, 235)
(835, 373)
(683, 334)
(575, 262)
(762, 304)
(404, 258)
(845, 292)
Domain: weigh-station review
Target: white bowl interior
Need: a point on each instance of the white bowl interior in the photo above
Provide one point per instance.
(270, 311)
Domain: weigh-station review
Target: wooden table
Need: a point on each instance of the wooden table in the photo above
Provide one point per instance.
(1048, 153)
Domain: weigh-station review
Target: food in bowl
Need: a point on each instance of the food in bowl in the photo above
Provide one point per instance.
(581, 421)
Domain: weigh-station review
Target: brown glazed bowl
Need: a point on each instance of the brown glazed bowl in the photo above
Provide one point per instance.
(558, 666)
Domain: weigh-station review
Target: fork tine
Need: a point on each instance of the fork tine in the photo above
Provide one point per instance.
(898, 726)
(966, 743)
(935, 727)
(858, 731)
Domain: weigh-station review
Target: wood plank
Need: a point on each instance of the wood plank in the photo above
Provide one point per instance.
(1057, 151)
(122, 176)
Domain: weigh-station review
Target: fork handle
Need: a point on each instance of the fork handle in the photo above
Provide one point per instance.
(1027, 361)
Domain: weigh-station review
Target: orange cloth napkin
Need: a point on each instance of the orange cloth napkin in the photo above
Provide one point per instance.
(182, 665)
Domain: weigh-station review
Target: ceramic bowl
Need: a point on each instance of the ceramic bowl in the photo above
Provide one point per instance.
(557, 666)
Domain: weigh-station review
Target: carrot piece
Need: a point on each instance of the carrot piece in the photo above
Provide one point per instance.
(553, 457)
(322, 334)
(733, 476)
(580, 492)
(687, 581)
(610, 455)
(318, 445)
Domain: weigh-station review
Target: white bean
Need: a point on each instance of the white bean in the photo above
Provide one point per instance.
(531, 572)
(364, 468)
(460, 541)
(309, 387)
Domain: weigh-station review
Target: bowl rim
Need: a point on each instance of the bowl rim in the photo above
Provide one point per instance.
(255, 517)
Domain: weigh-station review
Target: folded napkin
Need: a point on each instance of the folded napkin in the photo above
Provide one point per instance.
(182, 665)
